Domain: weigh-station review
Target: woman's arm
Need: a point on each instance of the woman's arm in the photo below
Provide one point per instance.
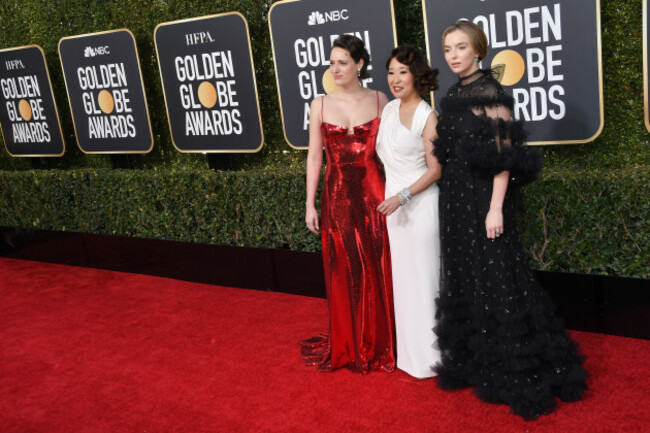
(314, 164)
(494, 218)
(434, 169)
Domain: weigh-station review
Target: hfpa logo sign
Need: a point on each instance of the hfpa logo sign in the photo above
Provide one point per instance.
(316, 18)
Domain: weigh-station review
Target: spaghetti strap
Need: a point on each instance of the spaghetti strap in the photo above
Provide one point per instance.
(377, 92)
(322, 107)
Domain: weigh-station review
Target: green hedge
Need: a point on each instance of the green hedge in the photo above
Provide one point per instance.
(589, 221)
(582, 221)
(254, 208)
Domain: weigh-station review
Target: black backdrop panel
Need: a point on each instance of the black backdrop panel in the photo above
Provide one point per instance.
(551, 53)
(28, 115)
(107, 100)
(302, 32)
(209, 83)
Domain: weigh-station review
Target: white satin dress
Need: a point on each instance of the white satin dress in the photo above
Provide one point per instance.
(413, 231)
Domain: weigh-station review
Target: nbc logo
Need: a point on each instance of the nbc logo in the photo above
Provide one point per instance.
(316, 18)
(327, 17)
(99, 51)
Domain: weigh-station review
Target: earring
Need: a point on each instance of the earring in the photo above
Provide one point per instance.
(359, 73)
(477, 60)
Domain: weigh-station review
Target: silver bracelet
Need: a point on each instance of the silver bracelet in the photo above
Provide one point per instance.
(404, 196)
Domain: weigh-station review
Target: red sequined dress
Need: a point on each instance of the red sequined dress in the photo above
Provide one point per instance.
(356, 256)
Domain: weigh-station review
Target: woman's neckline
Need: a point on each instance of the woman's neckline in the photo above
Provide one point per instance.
(469, 79)
(399, 119)
(353, 128)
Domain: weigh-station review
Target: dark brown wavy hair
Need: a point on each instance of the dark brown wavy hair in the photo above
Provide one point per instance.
(425, 79)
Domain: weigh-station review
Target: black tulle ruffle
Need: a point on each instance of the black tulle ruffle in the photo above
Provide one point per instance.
(490, 145)
(524, 361)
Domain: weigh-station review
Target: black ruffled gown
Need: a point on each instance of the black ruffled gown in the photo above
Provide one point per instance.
(496, 325)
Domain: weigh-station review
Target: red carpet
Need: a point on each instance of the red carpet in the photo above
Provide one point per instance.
(85, 350)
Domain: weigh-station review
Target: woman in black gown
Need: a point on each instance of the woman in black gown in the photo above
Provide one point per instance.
(496, 325)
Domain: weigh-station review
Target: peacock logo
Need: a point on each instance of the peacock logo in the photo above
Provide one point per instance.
(316, 18)
(97, 51)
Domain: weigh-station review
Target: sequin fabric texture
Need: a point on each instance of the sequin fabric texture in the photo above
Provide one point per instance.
(496, 325)
(356, 256)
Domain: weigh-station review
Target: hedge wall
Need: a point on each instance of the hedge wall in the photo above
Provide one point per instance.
(257, 208)
(589, 221)
(582, 221)
(586, 214)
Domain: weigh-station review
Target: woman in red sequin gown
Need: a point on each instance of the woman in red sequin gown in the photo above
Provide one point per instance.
(356, 256)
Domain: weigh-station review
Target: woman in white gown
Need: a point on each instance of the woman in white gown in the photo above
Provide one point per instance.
(405, 146)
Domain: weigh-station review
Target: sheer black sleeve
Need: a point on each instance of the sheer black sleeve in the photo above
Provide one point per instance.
(491, 139)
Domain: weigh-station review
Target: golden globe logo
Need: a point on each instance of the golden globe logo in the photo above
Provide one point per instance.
(316, 18)
(513, 66)
(25, 110)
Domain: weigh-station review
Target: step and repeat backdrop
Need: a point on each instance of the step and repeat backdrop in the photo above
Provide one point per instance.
(550, 65)
(208, 78)
(28, 116)
(302, 32)
(547, 55)
(107, 100)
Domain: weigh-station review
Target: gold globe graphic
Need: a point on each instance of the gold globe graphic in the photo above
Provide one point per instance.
(207, 94)
(514, 66)
(328, 82)
(25, 110)
(105, 101)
